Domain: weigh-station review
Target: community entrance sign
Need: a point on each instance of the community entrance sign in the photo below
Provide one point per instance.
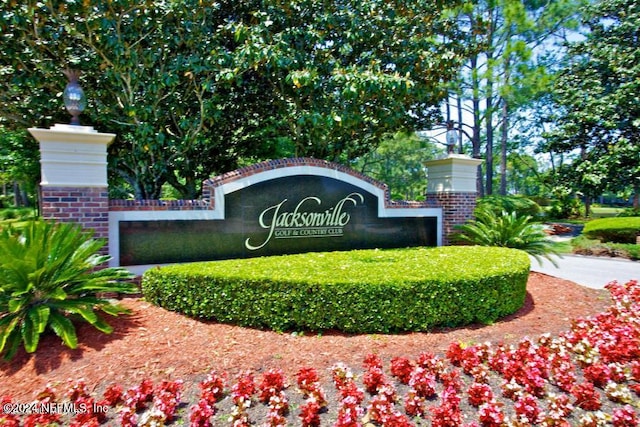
(277, 207)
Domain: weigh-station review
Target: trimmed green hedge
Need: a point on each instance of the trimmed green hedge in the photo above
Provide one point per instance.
(364, 291)
(618, 230)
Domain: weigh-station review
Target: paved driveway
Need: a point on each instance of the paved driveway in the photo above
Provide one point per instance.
(593, 272)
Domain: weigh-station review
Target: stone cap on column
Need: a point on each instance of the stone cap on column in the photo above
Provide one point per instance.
(455, 173)
(73, 156)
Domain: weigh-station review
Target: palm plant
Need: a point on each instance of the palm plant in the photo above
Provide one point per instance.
(50, 275)
(507, 229)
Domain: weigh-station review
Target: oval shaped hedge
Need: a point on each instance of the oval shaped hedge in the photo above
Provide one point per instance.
(617, 230)
(364, 291)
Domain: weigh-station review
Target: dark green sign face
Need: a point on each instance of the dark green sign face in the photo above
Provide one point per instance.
(290, 214)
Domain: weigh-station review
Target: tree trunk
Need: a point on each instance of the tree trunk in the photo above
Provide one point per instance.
(16, 194)
(489, 125)
(587, 206)
(503, 148)
(475, 142)
(489, 148)
(460, 133)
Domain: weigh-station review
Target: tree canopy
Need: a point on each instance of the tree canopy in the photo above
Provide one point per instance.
(192, 88)
(506, 72)
(597, 98)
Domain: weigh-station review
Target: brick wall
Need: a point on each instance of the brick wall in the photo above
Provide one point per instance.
(208, 188)
(159, 205)
(456, 209)
(88, 206)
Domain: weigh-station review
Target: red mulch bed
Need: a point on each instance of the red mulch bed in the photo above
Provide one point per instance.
(157, 344)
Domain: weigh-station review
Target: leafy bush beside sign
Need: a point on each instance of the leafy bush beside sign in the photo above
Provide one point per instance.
(363, 291)
(49, 277)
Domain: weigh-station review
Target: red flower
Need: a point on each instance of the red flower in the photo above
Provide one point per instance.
(77, 390)
(372, 361)
(479, 393)
(113, 395)
(599, 374)
(527, 408)
(310, 414)
(307, 376)
(272, 383)
(491, 415)
(586, 396)
(455, 353)
(201, 414)
(374, 379)
(401, 368)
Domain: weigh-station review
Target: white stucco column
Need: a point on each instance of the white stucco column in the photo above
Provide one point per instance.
(73, 165)
(73, 155)
(455, 173)
(451, 185)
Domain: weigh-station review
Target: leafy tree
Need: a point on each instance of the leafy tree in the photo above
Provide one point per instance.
(596, 94)
(191, 89)
(505, 74)
(47, 274)
(399, 163)
(19, 166)
(524, 174)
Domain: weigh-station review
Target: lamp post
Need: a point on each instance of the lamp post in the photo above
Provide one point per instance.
(74, 99)
(452, 137)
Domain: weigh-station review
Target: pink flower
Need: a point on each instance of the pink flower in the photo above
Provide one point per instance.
(625, 417)
(432, 363)
(527, 409)
(201, 413)
(167, 398)
(423, 383)
(491, 415)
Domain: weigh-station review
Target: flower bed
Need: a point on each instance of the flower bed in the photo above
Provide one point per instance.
(586, 376)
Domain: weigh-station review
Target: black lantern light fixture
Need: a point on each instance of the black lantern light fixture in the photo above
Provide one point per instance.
(74, 99)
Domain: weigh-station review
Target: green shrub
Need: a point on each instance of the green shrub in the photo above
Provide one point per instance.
(564, 205)
(48, 277)
(17, 213)
(629, 212)
(363, 291)
(507, 230)
(521, 205)
(618, 230)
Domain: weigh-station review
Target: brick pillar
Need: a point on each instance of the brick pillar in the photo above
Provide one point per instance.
(73, 162)
(451, 185)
